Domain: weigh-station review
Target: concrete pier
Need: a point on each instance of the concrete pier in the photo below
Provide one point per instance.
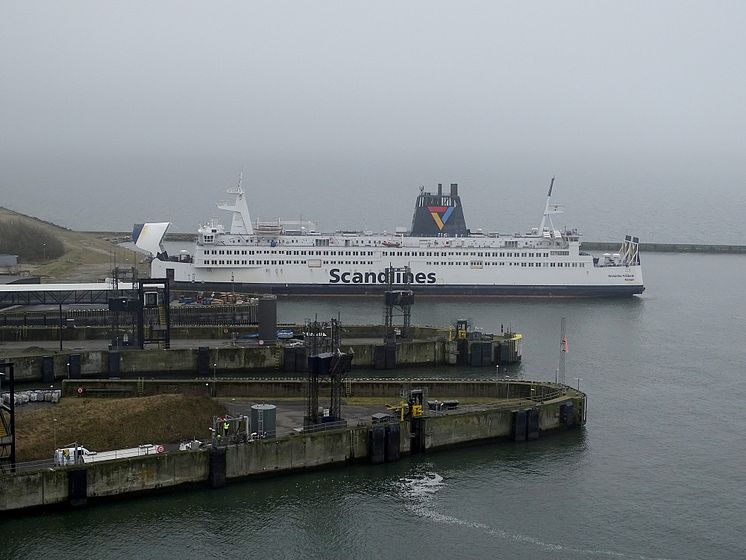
(553, 408)
(430, 346)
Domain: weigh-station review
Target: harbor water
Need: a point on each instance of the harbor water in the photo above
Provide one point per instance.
(657, 472)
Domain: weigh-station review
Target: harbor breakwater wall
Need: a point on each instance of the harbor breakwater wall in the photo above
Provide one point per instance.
(613, 247)
(293, 453)
(224, 333)
(224, 360)
(269, 388)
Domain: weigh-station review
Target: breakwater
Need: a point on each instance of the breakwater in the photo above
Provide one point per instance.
(193, 361)
(668, 247)
(80, 331)
(268, 388)
(524, 417)
(229, 354)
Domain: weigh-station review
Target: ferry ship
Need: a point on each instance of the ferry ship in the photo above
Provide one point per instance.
(437, 256)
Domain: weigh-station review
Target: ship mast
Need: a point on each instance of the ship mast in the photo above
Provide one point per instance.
(241, 223)
(549, 209)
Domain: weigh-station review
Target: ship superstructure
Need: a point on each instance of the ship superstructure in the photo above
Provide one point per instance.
(438, 256)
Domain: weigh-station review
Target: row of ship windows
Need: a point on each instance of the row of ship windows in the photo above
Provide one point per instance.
(232, 262)
(524, 254)
(326, 242)
(273, 262)
(502, 263)
(282, 252)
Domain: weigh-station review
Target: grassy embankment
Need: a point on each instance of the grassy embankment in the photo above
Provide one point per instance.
(86, 256)
(105, 424)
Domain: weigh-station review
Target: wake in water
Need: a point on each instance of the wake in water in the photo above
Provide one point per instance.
(421, 489)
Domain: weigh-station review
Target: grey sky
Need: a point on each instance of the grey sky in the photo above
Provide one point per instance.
(154, 107)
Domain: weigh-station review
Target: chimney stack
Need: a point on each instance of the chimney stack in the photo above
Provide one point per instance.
(454, 189)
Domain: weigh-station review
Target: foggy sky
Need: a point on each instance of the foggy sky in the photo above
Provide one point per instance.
(117, 112)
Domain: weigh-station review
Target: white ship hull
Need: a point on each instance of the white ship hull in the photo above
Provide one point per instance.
(498, 277)
(544, 262)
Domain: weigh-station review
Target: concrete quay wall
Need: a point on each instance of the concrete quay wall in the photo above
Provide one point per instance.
(295, 388)
(95, 363)
(293, 453)
(222, 333)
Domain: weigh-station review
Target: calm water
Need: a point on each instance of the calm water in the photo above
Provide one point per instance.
(657, 473)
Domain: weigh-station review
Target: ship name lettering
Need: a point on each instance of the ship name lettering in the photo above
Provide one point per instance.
(336, 276)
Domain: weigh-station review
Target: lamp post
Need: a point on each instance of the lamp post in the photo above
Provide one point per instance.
(44, 249)
(54, 426)
(214, 379)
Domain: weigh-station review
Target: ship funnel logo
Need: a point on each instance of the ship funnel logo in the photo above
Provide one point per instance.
(440, 214)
